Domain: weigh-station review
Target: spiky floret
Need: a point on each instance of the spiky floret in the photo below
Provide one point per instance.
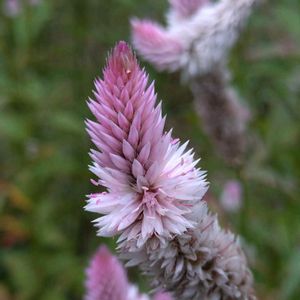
(152, 182)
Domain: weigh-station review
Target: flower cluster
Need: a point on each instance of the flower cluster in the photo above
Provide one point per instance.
(152, 182)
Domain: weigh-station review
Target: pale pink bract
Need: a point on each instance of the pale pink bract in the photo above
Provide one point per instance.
(152, 183)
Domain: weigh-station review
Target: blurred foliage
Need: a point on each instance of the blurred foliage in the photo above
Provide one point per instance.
(49, 55)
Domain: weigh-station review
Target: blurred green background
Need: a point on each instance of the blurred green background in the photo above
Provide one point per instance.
(50, 53)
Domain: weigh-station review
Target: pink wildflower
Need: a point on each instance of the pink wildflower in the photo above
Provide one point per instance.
(152, 183)
(106, 278)
(12, 7)
(231, 197)
(205, 31)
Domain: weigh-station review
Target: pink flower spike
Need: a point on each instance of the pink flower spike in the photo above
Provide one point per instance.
(156, 44)
(152, 183)
(106, 277)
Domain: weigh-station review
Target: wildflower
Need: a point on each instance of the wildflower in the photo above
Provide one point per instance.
(106, 279)
(231, 197)
(11, 7)
(203, 33)
(152, 182)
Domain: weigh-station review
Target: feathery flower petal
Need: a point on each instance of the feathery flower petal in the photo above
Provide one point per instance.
(151, 181)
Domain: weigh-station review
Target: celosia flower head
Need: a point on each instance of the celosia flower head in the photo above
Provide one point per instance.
(152, 183)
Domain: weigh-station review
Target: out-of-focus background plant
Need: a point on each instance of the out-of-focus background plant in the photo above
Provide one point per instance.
(50, 52)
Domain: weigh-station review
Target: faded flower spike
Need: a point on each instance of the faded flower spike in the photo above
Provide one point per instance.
(198, 36)
(152, 183)
(203, 263)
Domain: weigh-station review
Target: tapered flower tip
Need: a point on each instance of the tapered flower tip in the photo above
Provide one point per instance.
(105, 277)
(162, 296)
(122, 60)
(156, 45)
